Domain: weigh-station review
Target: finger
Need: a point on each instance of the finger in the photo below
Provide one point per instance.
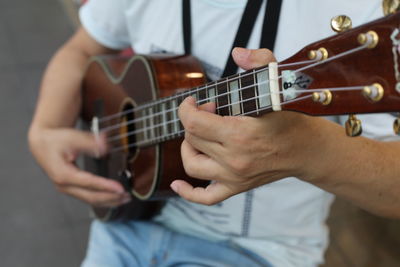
(209, 107)
(199, 165)
(96, 198)
(252, 58)
(199, 122)
(73, 176)
(213, 149)
(212, 194)
(86, 142)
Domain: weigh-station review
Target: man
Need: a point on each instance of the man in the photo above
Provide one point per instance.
(280, 223)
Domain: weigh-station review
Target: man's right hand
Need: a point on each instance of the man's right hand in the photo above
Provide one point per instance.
(53, 140)
(56, 150)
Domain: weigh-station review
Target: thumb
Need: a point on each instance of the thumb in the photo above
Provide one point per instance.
(214, 193)
(86, 142)
(252, 58)
(209, 107)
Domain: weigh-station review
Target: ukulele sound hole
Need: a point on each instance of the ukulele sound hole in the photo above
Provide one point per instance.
(127, 130)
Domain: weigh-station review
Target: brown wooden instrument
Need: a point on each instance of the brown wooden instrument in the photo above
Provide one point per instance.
(134, 102)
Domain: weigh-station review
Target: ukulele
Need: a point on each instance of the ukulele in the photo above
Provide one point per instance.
(134, 102)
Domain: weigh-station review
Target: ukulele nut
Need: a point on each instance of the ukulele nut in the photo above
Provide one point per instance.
(353, 126)
(324, 97)
(390, 6)
(373, 92)
(318, 55)
(370, 39)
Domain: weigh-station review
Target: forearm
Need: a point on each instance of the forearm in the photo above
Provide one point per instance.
(60, 99)
(363, 171)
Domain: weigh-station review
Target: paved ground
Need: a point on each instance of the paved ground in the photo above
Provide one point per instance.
(38, 226)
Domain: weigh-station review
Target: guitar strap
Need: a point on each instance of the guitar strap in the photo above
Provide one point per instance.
(268, 32)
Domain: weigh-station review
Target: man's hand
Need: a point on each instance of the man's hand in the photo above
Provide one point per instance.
(237, 153)
(56, 151)
(53, 140)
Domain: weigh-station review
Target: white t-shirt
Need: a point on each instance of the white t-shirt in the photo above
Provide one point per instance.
(284, 221)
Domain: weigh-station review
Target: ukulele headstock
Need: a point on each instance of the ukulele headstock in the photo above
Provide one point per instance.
(356, 71)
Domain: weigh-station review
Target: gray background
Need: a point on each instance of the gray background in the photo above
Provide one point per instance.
(38, 226)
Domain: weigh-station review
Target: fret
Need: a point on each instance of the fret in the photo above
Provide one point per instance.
(202, 94)
(223, 98)
(195, 96)
(145, 125)
(151, 123)
(256, 96)
(169, 115)
(179, 100)
(139, 125)
(248, 94)
(157, 121)
(164, 119)
(234, 97)
(264, 98)
(174, 119)
(211, 94)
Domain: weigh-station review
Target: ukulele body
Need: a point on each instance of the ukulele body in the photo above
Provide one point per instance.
(116, 85)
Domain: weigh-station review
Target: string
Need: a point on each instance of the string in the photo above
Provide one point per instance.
(188, 93)
(153, 127)
(194, 90)
(116, 126)
(179, 133)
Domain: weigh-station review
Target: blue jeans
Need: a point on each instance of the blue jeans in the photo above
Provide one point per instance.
(148, 244)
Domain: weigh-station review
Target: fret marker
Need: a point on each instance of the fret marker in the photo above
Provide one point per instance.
(274, 86)
(175, 121)
(151, 119)
(164, 118)
(263, 89)
(211, 94)
(235, 103)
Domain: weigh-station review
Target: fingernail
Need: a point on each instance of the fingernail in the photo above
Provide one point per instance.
(240, 52)
(126, 200)
(119, 190)
(125, 195)
(175, 187)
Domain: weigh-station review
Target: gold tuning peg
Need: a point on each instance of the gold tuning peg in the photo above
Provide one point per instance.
(396, 126)
(353, 126)
(390, 6)
(341, 23)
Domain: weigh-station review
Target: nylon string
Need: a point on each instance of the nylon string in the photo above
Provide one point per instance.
(205, 100)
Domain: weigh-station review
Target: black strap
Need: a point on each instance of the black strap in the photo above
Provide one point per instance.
(243, 33)
(187, 27)
(270, 26)
(268, 33)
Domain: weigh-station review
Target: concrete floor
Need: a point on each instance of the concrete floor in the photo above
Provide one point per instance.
(39, 226)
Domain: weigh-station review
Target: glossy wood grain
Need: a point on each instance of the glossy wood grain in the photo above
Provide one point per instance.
(362, 68)
(112, 81)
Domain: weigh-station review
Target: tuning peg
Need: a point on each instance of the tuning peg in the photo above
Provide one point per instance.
(324, 97)
(396, 126)
(390, 6)
(353, 126)
(373, 92)
(341, 23)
